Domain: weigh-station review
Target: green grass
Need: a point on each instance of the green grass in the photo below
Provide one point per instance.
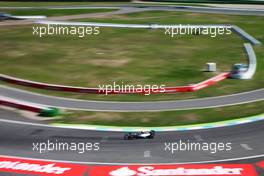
(55, 12)
(157, 59)
(133, 56)
(252, 24)
(170, 118)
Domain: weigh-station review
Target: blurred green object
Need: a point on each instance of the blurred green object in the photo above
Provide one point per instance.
(49, 112)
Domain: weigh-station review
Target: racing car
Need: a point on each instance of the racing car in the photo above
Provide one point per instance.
(140, 135)
(4, 16)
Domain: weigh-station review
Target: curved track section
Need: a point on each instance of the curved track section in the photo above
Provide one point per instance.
(189, 88)
(4, 101)
(181, 8)
(114, 150)
(143, 106)
(125, 9)
(246, 139)
(235, 28)
(246, 97)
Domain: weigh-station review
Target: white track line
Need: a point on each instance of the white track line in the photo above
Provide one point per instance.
(106, 163)
(112, 130)
(147, 154)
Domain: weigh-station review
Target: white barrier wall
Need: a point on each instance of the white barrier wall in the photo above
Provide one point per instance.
(252, 65)
(245, 35)
(235, 28)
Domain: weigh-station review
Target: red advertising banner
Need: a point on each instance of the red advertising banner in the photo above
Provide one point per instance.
(50, 168)
(175, 170)
(261, 164)
(42, 168)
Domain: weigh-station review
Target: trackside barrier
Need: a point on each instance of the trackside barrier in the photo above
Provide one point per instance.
(40, 109)
(9, 16)
(252, 64)
(45, 86)
(30, 166)
(211, 81)
(235, 28)
(175, 169)
(28, 17)
(143, 26)
(40, 167)
(245, 35)
(39, 85)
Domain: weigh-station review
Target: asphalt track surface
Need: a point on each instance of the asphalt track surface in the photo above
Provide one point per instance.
(142, 7)
(75, 104)
(247, 139)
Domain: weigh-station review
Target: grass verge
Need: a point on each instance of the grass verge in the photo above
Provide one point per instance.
(168, 118)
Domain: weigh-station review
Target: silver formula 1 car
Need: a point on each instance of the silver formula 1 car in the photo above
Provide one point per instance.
(140, 135)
